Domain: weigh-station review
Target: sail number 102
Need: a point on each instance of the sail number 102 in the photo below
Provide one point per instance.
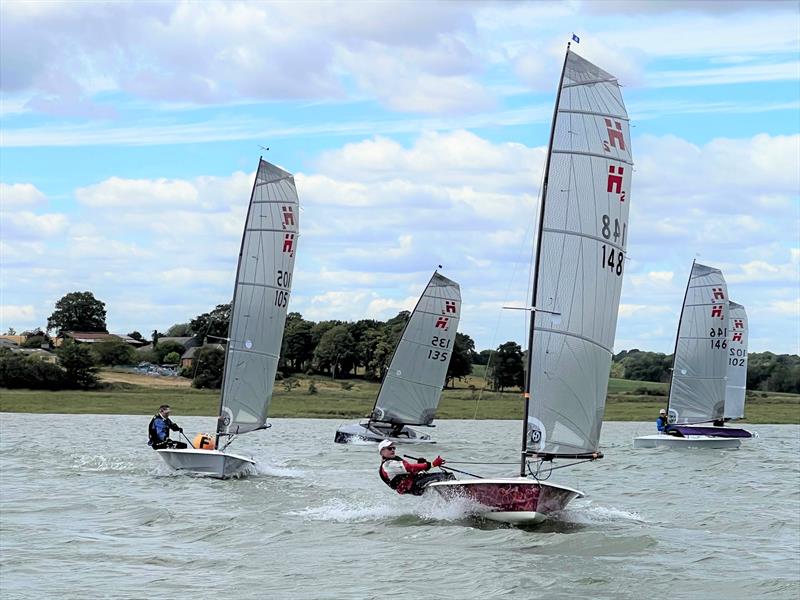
(613, 258)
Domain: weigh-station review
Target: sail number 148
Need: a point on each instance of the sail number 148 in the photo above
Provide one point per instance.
(613, 257)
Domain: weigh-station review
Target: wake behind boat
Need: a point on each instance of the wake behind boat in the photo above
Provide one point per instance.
(581, 249)
(698, 392)
(412, 386)
(258, 316)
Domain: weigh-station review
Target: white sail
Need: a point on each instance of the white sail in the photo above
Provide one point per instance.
(260, 300)
(697, 390)
(580, 261)
(736, 385)
(413, 383)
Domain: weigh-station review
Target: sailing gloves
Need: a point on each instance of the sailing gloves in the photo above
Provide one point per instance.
(437, 462)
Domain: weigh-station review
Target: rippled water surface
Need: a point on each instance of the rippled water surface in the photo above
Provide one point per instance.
(87, 510)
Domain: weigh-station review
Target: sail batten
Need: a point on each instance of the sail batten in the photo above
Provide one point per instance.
(261, 296)
(581, 254)
(697, 387)
(413, 383)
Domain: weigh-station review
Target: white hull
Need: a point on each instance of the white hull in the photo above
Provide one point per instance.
(212, 463)
(695, 441)
(517, 501)
(359, 432)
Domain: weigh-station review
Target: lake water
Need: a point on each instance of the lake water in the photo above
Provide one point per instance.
(87, 510)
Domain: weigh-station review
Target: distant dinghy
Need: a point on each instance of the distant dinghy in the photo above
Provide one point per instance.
(258, 315)
(580, 257)
(697, 392)
(412, 386)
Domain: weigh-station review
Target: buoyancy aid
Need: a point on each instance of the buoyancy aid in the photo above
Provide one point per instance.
(400, 483)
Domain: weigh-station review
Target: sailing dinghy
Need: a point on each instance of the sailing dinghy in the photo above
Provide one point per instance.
(697, 389)
(412, 386)
(258, 315)
(581, 249)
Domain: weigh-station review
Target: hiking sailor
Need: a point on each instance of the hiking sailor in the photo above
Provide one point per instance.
(405, 477)
(159, 428)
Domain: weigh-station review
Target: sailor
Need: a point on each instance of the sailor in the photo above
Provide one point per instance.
(661, 421)
(159, 428)
(406, 477)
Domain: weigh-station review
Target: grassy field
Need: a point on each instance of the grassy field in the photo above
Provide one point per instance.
(132, 394)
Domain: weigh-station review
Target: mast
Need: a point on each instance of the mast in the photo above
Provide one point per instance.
(527, 393)
(677, 337)
(233, 301)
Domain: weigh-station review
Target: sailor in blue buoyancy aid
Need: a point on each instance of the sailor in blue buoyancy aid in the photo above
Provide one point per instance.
(405, 477)
(159, 428)
(661, 421)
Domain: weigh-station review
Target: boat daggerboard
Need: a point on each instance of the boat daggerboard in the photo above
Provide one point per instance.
(580, 260)
(413, 383)
(697, 389)
(736, 385)
(260, 300)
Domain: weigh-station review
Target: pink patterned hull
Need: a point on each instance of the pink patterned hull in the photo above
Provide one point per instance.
(510, 496)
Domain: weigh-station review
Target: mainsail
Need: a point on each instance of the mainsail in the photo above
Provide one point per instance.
(736, 385)
(697, 389)
(260, 300)
(413, 384)
(581, 249)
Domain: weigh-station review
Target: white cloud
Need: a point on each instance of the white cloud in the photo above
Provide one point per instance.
(27, 225)
(20, 195)
(11, 314)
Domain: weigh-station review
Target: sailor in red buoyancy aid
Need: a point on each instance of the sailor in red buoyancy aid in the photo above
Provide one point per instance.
(405, 477)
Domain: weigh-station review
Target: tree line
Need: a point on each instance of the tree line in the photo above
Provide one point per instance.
(337, 349)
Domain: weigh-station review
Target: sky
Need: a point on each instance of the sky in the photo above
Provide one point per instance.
(417, 132)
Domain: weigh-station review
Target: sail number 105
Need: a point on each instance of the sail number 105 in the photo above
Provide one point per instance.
(283, 280)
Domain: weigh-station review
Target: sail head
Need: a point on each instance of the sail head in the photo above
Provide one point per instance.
(260, 301)
(697, 390)
(736, 384)
(580, 262)
(413, 383)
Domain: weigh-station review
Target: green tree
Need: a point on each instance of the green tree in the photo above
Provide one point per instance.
(136, 335)
(165, 348)
(335, 352)
(78, 363)
(20, 371)
(506, 369)
(213, 324)
(482, 357)
(173, 358)
(36, 341)
(461, 361)
(113, 352)
(78, 311)
(11, 331)
(297, 348)
(180, 330)
(209, 364)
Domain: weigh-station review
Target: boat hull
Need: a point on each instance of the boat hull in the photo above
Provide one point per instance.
(360, 432)
(516, 501)
(695, 441)
(211, 463)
